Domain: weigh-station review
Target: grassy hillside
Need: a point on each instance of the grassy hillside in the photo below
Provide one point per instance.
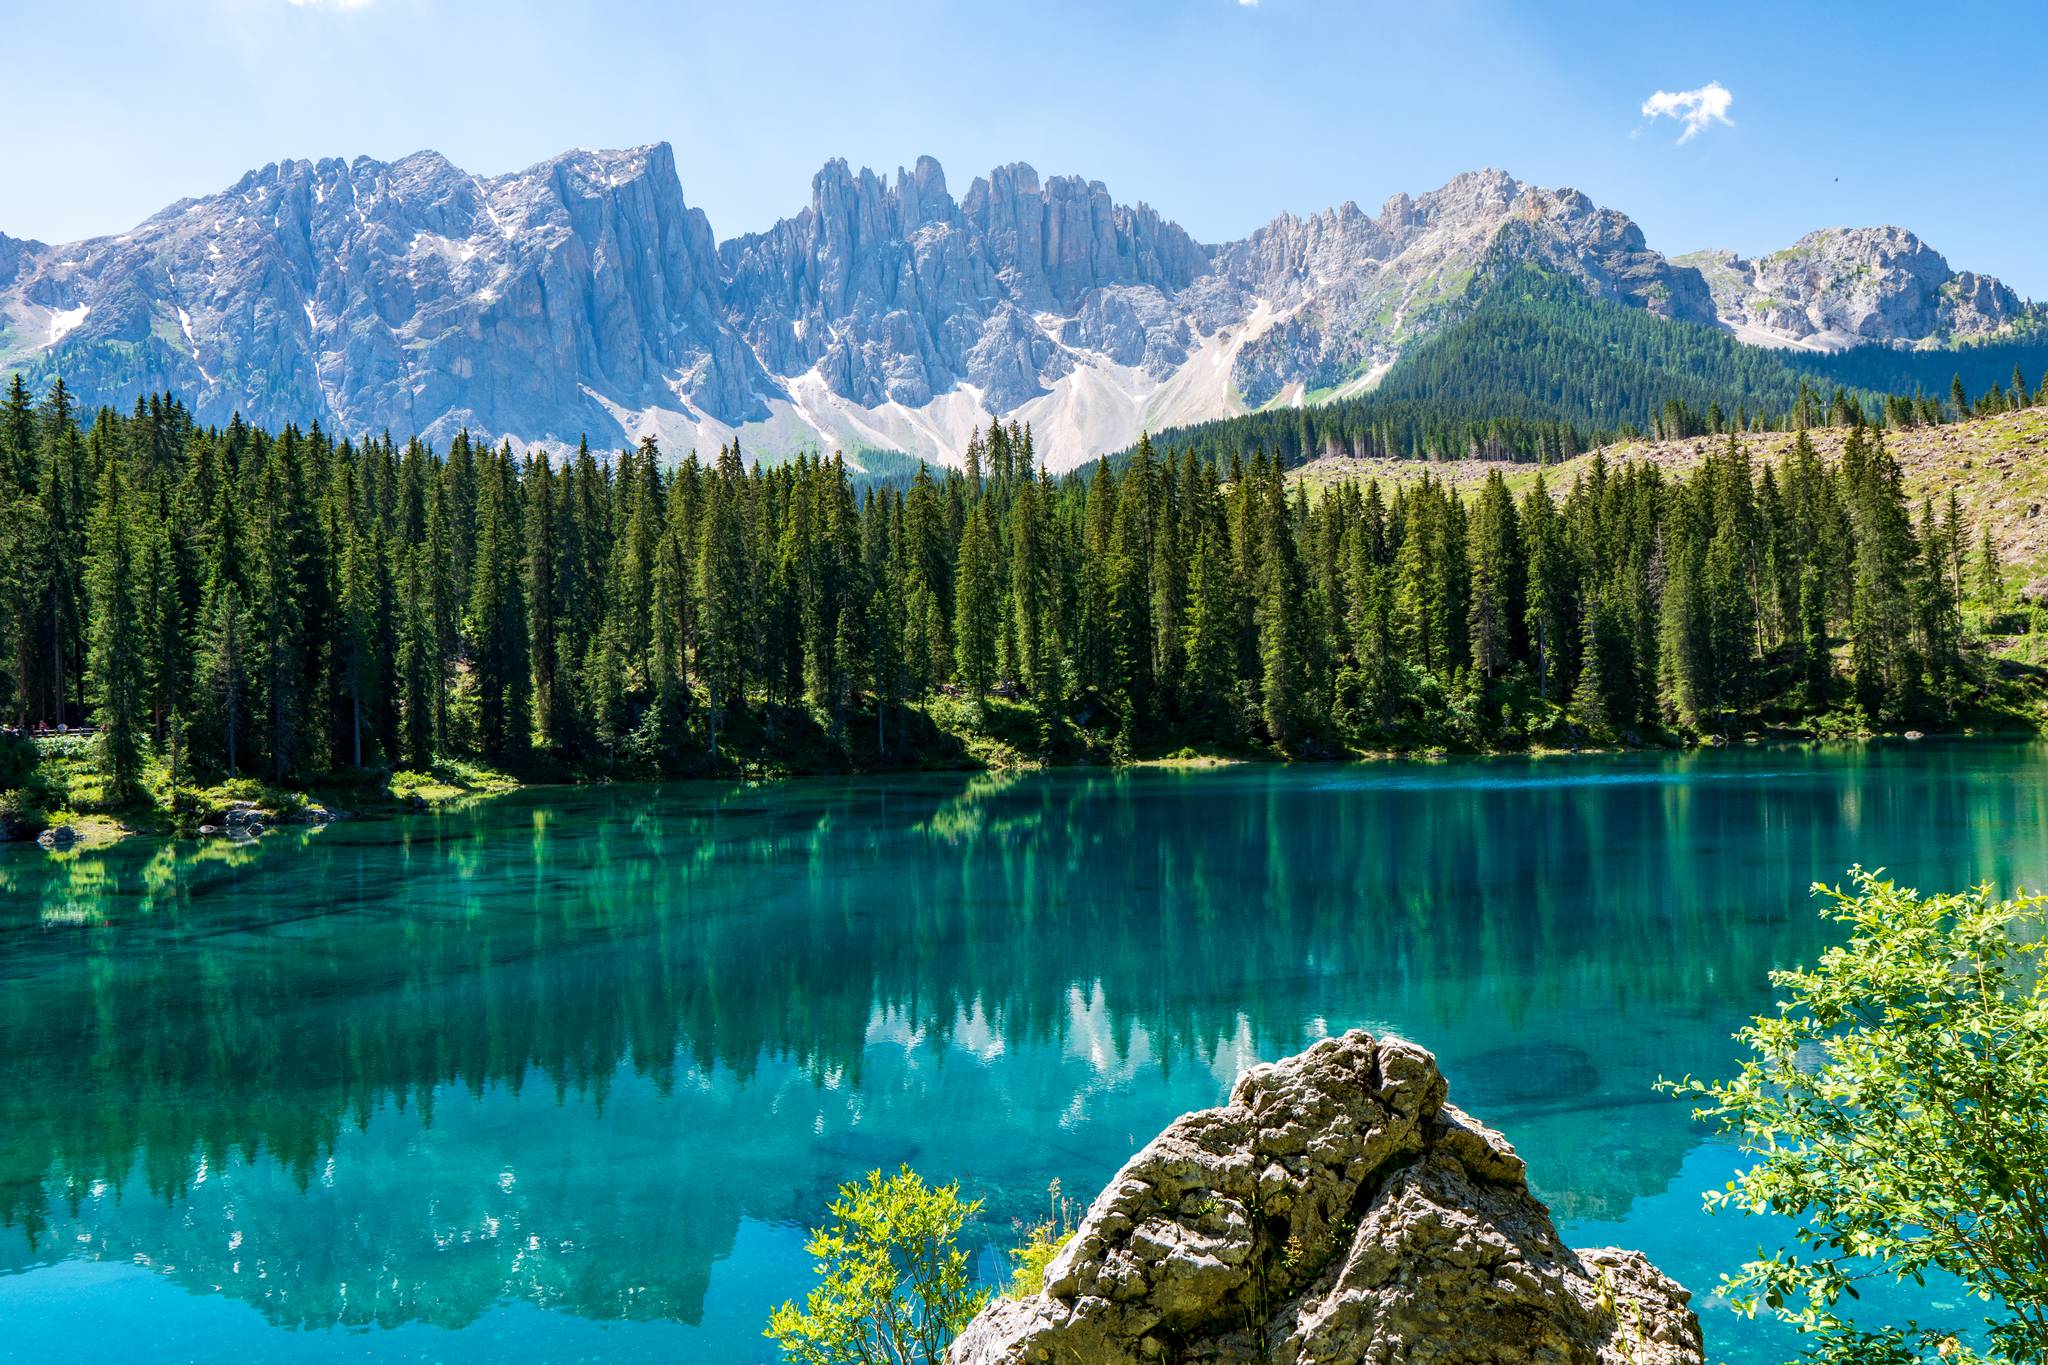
(1996, 466)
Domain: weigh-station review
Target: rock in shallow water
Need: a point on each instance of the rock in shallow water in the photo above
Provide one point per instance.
(1336, 1211)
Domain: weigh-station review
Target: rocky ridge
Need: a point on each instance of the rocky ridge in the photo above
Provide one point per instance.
(1336, 1210)
(1843, 287)
(584, 296)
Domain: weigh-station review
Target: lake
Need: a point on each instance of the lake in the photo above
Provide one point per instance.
(562, 1076)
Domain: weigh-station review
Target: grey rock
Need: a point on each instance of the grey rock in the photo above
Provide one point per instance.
(1337, 1210)
(898, 294)
(584, 297)
(407, 295)
(1843, 287)
(58, 836)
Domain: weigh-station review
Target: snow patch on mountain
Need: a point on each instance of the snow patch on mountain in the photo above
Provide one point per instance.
(63, 322)
(584, 297)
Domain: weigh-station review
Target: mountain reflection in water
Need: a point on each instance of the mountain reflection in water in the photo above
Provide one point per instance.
(578, 1049)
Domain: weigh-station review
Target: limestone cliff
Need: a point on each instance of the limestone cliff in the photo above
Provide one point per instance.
(1843, 287)
(1337, 1210)
(584, 296)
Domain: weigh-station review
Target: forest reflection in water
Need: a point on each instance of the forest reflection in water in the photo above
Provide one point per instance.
(565, 1048)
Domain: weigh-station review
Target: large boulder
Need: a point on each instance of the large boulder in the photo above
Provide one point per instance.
(1337, 1210)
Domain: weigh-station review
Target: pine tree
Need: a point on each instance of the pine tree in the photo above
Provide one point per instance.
(544, 626)
(1210, 627)
(1685, 633)
(1129, 574)
(168, 580)
(885, 624)
(975, 604)
(1031, 586)
(1990, 570)
(225, 666)
(1283, 681)
(1591, 695)
(1818, 674)
(60, 573)
(1883, 661)
(277, 605)
(1499, 580)
(1094, 656)
(1550, 592)
(360, 668)
(721, 588)
(495, 622)
(117, 660)
(417, 660)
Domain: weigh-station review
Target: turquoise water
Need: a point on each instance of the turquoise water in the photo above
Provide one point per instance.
(560, 1076)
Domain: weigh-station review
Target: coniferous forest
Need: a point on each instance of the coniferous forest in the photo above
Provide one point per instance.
(216, 602)
(1532, 368)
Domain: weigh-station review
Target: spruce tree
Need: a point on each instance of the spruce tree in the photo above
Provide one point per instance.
(357, 623)
(494, 624)
(417, 660)
(117, 659)
(1990, 570)
(1283, 681)
(277, 604)
(1210, 629)
(975, 605)
(1499, 580)
(1591, 695)
(721, 588)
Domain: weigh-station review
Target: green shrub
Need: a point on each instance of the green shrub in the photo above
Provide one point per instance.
(894, 1285)
(17, 761)
(1897, 1102)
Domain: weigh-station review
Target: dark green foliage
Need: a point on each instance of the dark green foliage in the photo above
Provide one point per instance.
(117, 661)
(238, 601)
(1881, 369)
(1533, 368)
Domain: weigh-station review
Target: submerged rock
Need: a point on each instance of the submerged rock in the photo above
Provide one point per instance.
(1337, 1210)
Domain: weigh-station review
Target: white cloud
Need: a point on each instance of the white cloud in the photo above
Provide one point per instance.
(333, 4)
(1697, 109)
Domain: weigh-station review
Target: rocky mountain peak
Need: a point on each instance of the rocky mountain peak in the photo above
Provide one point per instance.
(583, 295)
(1467, 196)
(1841, 287)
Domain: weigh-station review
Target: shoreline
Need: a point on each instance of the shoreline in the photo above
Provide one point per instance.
(321, 804)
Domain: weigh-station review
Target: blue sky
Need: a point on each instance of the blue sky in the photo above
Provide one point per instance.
(1220, 113)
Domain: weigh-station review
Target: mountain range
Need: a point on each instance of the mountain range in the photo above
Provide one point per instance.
(584, 297)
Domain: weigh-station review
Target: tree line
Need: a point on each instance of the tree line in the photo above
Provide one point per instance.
(282, 604)
(1531, 368)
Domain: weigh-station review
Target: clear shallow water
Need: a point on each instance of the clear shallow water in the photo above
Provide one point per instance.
(560, 1077)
